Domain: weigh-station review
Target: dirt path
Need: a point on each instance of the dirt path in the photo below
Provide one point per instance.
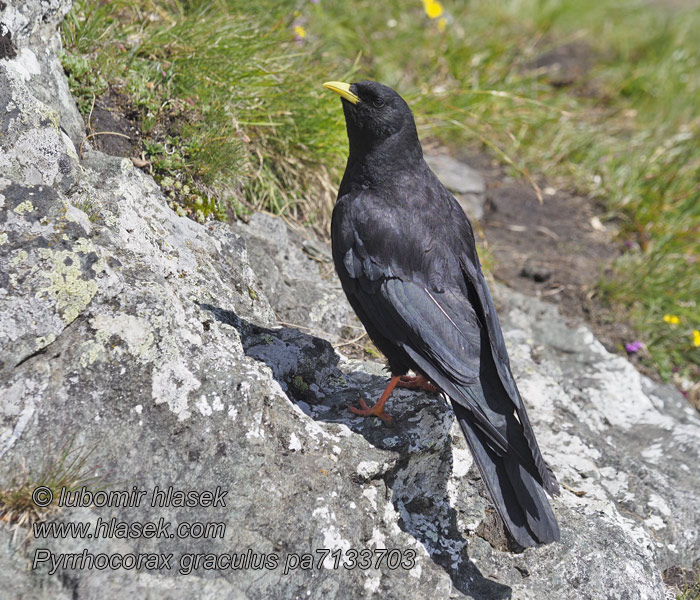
(557, 250)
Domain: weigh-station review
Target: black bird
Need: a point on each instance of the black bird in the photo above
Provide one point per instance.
(405, 254)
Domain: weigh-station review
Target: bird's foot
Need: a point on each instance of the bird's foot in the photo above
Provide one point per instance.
(377, 411)
(419, 382)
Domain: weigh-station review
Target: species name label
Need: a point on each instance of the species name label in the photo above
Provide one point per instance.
(160, 530)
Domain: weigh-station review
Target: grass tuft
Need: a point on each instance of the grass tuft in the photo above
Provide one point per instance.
(229, 105)
(69, 466)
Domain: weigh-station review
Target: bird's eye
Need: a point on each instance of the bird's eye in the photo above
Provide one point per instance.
(378, 102)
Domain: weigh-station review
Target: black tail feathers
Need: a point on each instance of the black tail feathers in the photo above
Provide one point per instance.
(517, 495)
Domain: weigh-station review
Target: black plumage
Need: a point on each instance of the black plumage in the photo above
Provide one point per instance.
(406, 258)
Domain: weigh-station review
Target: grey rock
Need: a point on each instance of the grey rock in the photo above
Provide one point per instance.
(304, 293)
(152, 341)
(33, 24)
(455, 175)
(465, 182)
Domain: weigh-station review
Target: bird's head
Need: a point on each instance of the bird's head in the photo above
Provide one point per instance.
(375, 113)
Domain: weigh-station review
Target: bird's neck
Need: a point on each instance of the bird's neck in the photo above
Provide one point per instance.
(371, 165)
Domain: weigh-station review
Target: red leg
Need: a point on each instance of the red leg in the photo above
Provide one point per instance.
(418, 382)
(378, 409)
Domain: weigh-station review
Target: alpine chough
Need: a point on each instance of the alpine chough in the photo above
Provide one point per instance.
(404, 251)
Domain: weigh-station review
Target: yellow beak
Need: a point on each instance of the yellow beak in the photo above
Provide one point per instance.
(342, 89)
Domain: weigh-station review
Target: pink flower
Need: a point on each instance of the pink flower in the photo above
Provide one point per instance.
(634, 347)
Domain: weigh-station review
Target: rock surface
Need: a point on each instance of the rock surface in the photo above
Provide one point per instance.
(466, 183)
(152, 341)
(288, 265)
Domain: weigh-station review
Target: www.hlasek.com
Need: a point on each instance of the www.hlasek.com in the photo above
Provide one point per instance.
(345, 558)
(115, 528)
(128, 530)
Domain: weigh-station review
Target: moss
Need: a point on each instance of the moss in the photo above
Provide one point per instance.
(372, 351)
(91, 208)
(299, 383)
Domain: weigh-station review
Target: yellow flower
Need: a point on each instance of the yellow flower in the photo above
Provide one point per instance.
(671, 319)
(300, 32)
(433, 8)
(696, 338)
(442, 23)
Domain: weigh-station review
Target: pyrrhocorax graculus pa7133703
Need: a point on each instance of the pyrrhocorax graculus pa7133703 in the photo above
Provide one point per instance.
(405, 254)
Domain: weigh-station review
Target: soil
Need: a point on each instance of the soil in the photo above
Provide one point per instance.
(559, 248)
(115, 125)
(556, 250)
(683, 580)
(564, 65)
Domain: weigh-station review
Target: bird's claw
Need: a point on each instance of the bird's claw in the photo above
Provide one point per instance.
(366, 411)
(419, 382)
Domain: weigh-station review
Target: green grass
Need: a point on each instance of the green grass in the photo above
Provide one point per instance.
(689, 594)
(690, 590)
(252, 121)
(262, 133)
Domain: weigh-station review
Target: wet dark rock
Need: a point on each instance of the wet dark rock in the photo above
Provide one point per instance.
(7, 50)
